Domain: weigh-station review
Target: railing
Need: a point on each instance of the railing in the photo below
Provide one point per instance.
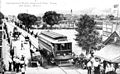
(24, 33)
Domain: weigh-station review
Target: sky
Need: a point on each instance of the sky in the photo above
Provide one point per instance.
(37, 7)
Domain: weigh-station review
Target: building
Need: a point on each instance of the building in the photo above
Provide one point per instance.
(99, 24)
(111, 50)
(109, 26)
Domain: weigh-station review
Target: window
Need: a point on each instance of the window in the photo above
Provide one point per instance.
(64, 46)
(68, 45)
(58, 46)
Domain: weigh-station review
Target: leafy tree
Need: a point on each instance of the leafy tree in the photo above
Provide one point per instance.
(51, 18)
(1, 17)
(111, 17)
(38, 22)
(27, 19)
(87, 37)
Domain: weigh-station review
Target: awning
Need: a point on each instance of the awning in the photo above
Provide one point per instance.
(109, 53)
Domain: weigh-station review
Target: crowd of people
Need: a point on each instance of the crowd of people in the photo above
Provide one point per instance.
(17, 64)
(97, 66)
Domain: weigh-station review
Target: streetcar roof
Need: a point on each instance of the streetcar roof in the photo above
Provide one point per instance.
(53, 35)
(49, 39)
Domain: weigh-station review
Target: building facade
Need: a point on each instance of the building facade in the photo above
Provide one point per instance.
(108, 27)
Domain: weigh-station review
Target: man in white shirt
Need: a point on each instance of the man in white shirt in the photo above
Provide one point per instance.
(89, 67)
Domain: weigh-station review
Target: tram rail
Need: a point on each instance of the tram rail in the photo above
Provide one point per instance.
(66, 72)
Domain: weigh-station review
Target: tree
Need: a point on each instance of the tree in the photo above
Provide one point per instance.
(111, 17)
(51, 18)
(87, 36)
(27, 19)
(1, 17)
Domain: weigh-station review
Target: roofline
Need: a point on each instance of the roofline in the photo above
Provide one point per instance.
(49, 33)
(110, 37)
(50, 40)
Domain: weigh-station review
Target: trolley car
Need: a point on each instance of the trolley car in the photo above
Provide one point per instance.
(55, 48)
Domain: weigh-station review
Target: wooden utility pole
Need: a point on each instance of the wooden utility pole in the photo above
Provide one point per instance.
(117, 6)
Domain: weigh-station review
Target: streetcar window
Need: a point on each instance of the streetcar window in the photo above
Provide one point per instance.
(59, 46)
(68, 46)
(64, 46)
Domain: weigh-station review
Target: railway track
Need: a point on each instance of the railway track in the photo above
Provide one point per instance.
(70, 71)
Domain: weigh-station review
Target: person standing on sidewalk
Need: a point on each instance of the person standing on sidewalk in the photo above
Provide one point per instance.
(17, 64)
(104, 66)
(96, 65)
(14, 64)
(116, 66)
(10, 63)
(12, 53)
(22, 65)
(89, 67)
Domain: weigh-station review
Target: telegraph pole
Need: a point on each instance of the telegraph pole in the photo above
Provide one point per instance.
(117, 23)
(117, 15)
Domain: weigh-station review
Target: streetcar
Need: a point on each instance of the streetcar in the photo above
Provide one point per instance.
(55, 48)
